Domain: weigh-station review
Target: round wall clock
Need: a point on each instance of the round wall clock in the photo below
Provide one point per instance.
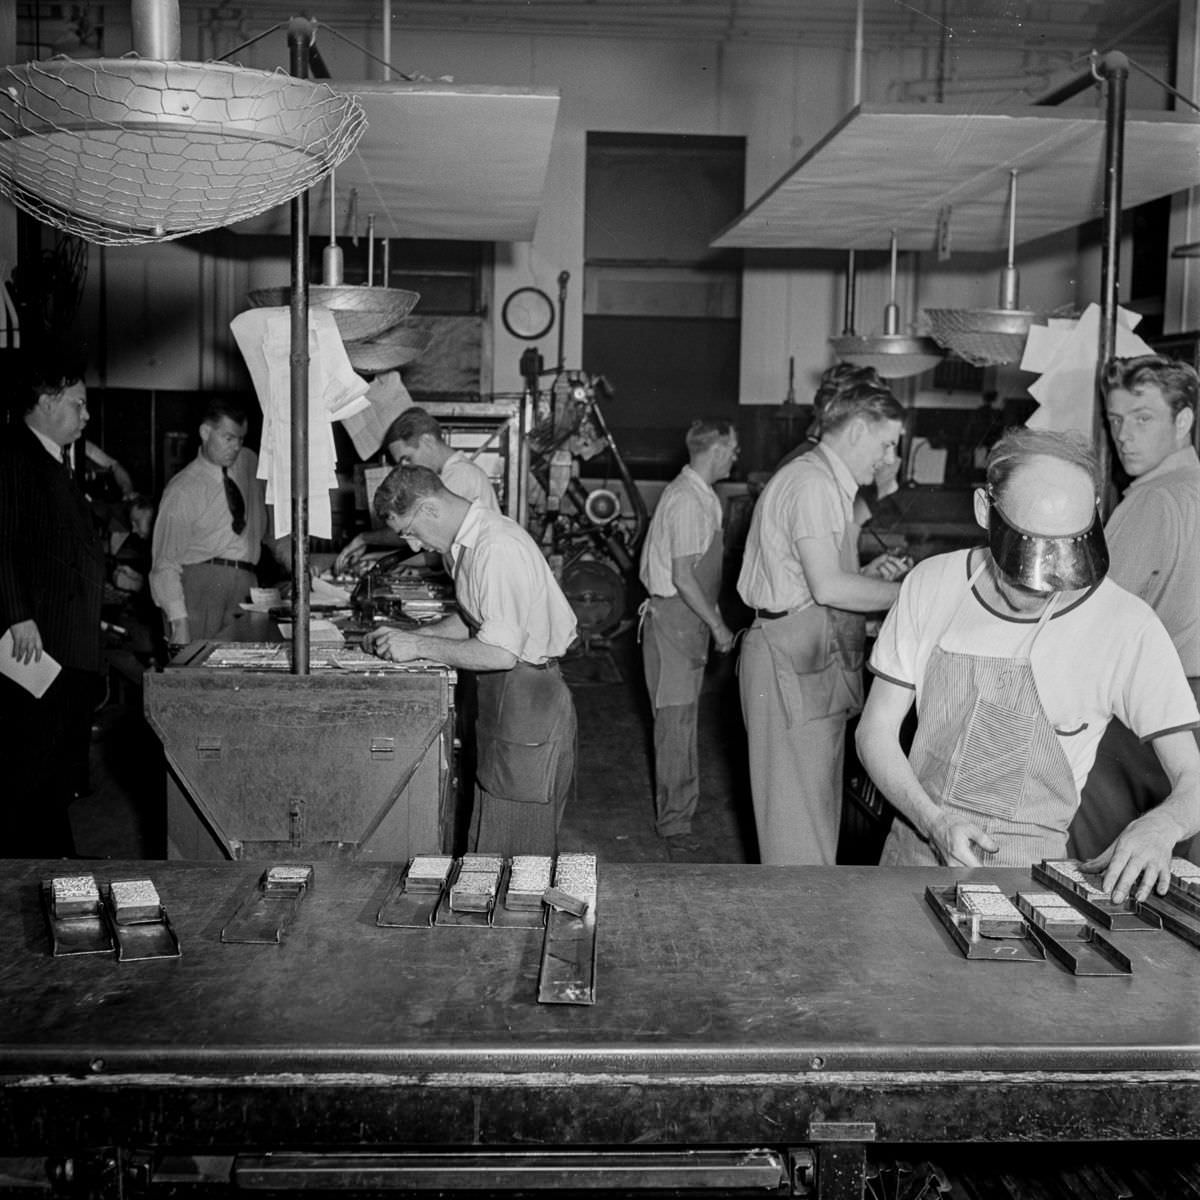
(528, 313)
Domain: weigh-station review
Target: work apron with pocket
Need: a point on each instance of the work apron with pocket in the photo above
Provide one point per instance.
(986, 750)
(675, 640)
(819, 652)
(525, 717)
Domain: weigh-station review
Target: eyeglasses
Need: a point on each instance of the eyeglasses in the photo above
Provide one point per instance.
(406, 529)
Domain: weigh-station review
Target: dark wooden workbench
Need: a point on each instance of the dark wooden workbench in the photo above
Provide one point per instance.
(735, 1005)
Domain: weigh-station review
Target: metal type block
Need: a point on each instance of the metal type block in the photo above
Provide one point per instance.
(1005, 941)
(83, 930)
(413, 899)
(1132, 916)
(140, 926)
(524, 910)
(264, 915)
(470, 899)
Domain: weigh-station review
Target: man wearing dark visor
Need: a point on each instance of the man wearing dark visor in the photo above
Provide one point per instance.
(1017, 655)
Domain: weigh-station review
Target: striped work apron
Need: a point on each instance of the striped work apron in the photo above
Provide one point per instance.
(986, 750)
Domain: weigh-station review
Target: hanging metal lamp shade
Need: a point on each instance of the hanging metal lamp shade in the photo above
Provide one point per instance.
(395, 347)
(893, 355)
(123, 151)
(367, 317)
(988, 337)
(361, 312)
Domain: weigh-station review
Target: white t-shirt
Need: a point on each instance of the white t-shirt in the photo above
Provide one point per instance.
(1105, 655)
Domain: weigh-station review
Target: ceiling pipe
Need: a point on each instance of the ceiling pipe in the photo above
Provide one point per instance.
(156, 29)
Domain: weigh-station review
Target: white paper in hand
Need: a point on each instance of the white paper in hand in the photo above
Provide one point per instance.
(35, 677)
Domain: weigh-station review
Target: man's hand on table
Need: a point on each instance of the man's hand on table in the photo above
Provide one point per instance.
(395, 645)
(1140, 859)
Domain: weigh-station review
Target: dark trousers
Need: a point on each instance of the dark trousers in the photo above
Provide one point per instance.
(44, 746)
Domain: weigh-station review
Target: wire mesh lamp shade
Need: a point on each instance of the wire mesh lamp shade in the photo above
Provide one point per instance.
(131, 150)
(989, 337)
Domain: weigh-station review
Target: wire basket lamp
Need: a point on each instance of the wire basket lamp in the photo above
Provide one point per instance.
(124, 151)
(988, 337)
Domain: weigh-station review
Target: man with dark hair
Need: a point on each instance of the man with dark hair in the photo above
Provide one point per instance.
(682, 558)
(1154, 547)
(836, 379)
(515, 625)
(416, 437)
(51, 588)
(801, 666)
(1017, 654)
(833, 379)
(209, 532)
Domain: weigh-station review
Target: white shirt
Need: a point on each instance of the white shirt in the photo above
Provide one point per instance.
(686, 519)
(468, 480)
(1105, 655)
(193, 525)
(506, 590)
(801, 500)
(1154, 546)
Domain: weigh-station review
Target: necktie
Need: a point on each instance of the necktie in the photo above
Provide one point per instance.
(236, 501)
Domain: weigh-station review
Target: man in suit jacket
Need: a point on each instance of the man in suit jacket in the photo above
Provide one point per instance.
(51, 587)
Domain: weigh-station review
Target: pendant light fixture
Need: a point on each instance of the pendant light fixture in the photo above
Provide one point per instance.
(367, 317)
(893, 354)
(144, 148)
(988, 337)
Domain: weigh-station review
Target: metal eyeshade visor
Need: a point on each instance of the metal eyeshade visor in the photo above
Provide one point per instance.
(1047, 564)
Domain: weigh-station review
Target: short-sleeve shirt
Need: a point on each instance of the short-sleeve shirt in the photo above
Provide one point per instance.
(1154, 546)
(810, 497)
(468, 480)
(686, 519)
(506, 590)
(1104, 655)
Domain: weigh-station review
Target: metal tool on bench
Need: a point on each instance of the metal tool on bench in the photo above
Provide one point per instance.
(414, 897)
(73, 913)
(140, 926)
(1068, 938)
(983, 923)
(568, 968)
(263, 916)
(1067, 878)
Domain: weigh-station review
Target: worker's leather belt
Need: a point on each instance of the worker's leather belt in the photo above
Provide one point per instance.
(228, 562)
(765, 614)
(542, 666)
